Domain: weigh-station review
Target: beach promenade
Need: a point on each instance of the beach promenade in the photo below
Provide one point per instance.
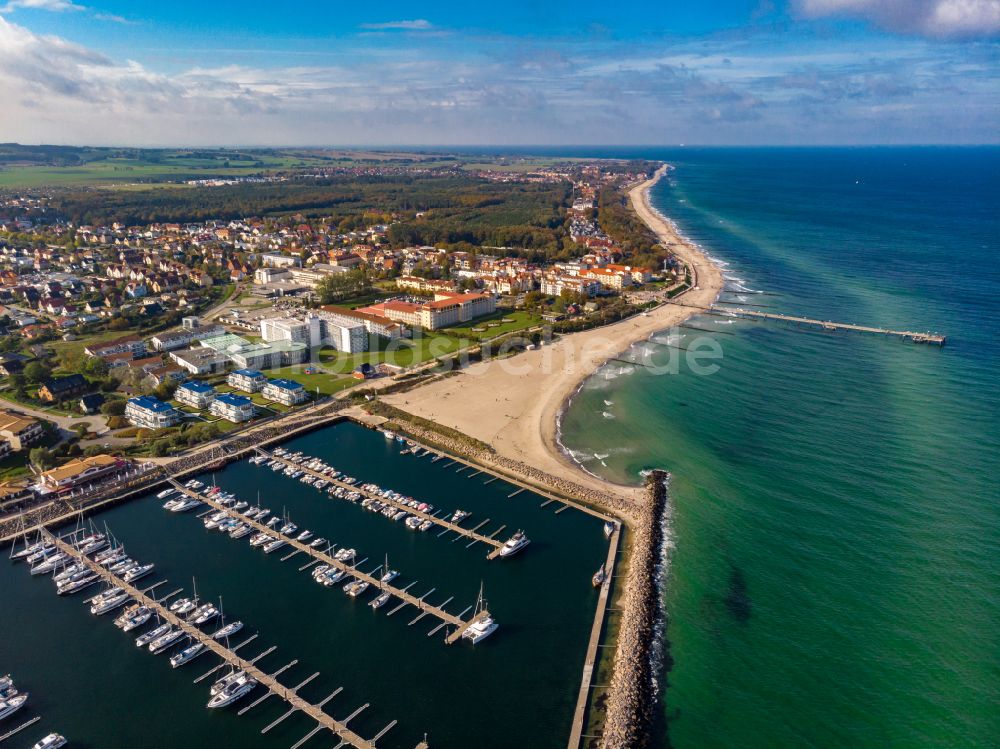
(514, 405)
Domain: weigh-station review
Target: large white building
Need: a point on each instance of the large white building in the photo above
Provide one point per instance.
(235, 408)
(195, 394)
(247, 380)
(184, 337)
(448, 308)
(148, 412)
(315, 330)
(287, 392)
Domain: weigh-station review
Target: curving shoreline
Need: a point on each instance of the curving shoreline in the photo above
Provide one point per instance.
(515, 405)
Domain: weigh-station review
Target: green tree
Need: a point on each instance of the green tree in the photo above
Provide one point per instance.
(37, 372)
(41, 457)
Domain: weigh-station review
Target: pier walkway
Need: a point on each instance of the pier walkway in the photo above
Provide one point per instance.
(447, 524)
(828, 325)
(275, 687)
(460, 625)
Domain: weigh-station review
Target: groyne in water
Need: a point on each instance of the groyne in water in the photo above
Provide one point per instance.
(632, 698)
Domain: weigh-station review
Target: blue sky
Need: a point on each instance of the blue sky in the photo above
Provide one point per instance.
(298, 73)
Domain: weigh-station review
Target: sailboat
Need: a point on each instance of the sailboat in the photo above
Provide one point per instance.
(483, 624)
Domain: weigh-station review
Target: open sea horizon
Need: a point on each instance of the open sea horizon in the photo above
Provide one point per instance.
(835, 532)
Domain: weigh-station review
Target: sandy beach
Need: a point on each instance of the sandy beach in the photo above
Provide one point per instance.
(514, 405)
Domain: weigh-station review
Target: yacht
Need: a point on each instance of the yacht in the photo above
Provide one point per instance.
(381, 601)
(274, 545)
(188, 504)
(599, 577)
(220, 684)
(459, 516)
(203, 614)
(345, 555)
(260, 539)
(234, 690)
(304, 535)
(241, 505)
(331, 577)
(92, 543)
(413, 522)
(165, 493)
(164, 641)
(356, 588)
(69, 587)
(425, 526)
(52, 741)
(67, 572)
(147, 637)
(316, 543)
(288, 528)
(109, 603)
(7, 686)
(230, 629)
(514, 544)
(113, 553)
(133, 616)
(183, 606)
(213, 520)
(171, 503)
(273, 522)
(187, 654)
(389, 575)
(241, 530)
(481, 628)
(138, 572)
(10, 706)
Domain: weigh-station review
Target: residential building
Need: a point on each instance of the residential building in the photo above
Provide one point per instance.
(81, 471)
(148, 412)
(60, 388)
(555, 285)
(235, 408)
(200, 361)
(195, 393)
(19, 430)
(287, 392)
(247, 380)
(90, 404)
(181, 338)
(131, 345)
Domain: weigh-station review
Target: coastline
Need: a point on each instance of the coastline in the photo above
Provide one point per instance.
(515, 405)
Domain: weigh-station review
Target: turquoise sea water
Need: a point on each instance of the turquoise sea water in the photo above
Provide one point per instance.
(835, 576)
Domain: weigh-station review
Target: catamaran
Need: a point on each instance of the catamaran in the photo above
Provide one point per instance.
(482, 628)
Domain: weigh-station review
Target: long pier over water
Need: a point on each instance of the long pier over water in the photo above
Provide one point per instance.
(488, 540)
(828, 325)
(339, 728)
(426, 609)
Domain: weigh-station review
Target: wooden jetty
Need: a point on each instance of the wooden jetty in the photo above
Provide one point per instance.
(829, 325)
(472, 535)
(458, 623)
(296, 703)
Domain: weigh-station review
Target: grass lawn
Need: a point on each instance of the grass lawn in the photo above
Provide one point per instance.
(520, 320)
(403, 352)
(326, 384)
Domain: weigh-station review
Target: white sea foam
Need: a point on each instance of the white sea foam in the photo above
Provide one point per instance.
(607, 415)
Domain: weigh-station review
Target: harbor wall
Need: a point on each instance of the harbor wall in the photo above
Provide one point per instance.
(632, 699)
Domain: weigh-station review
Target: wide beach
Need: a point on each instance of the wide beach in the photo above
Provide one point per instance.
(514, 405)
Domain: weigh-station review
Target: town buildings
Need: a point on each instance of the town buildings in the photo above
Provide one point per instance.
(57, 389)
(286, 392)
(148, 412)
(235, 408)
(195, 393)
(19, 431)
(247, 380)
(80, 471)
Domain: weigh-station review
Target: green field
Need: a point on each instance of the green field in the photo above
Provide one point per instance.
(494, 325)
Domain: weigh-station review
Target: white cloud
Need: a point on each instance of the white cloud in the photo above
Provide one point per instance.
(721, 91)
(416, 24)
(57, 6)
(944, 19)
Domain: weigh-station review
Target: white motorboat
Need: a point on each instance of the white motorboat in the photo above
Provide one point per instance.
(182, 605)
(138, 572)
(381, 601)
(165, 493)
(107, 604)
(69, 587)
(52, 741)
(514, 544)
(186, 655)
(274, 545)
(203, 614)
(356, 588)
(10, 706)
(234, 690)
(317, 542)
(304, 536)
(288, 528)
(133, 617)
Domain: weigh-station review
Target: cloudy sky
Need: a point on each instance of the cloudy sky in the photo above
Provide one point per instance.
(109, 72)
